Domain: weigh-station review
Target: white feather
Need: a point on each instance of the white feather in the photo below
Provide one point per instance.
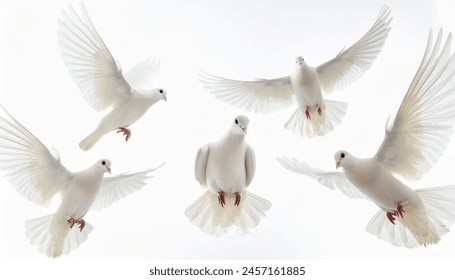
(89, 61)
(421, 130)
(29, 166)
(144, 74)
(117, 187)
(332, 180)
(350, 64)
(259, 96)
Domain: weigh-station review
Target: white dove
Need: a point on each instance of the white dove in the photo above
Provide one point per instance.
(315, 116)
(100, 77)
(38, 175)
(226, 167)
(413, 142)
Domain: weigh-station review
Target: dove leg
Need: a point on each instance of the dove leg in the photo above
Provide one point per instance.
(81, 223)
(237, 199)
(221, 199)
(71, 221)
(126, 132)
(307, 113)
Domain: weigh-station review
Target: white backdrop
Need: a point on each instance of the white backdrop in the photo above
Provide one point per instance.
(235, 39)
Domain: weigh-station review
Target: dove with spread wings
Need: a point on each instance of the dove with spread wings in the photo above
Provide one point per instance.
(315, 115)
(37, 174)
(100, 79)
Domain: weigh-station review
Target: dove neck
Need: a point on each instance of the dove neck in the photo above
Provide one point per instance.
(231, 139)
(149, 97)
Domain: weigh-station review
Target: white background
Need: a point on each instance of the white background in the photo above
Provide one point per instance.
(234, 39)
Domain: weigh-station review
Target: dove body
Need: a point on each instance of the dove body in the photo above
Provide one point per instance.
(226, 167)
(130, 110)
(81, 192)
(378, 184)
(305, 82)
(123, 115)
(226, 174)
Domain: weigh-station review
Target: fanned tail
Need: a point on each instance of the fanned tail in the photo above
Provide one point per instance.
(210, 217)
(332, 113)
(54, 237)
(418, 226)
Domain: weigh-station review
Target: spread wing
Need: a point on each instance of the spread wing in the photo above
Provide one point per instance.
(201, 165)
(331, 180)
(250, 164)
(115, 188)
(144, 74)
(30, 167)
(91, 65)
(422, 127)
(349, 65)
(259, 96)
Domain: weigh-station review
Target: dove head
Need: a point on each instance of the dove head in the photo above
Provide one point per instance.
(240, 125)
(299, 61)
(341, 158)
(162, 93)
(158, 94)
(104, 165)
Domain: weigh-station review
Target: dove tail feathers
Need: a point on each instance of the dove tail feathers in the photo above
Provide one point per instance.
(88, 142)
(317, 125)
(207, 214)
(54, 237)
(419, 226)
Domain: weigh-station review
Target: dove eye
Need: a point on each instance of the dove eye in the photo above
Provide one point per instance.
(103, 162)
(161, 91)
(342, 155)
(236, 121)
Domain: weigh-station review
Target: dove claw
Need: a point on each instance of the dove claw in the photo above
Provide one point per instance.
(307, 114)
(390, 216)
(126, 132)
(237, 199)
(81, 223)
(221, 199)
(400, 210)
(319, 111)
(71, 221)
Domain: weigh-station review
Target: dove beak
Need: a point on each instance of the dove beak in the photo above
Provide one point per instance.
(165, 98)
(338, 164)
(243, 128)
(108, 169)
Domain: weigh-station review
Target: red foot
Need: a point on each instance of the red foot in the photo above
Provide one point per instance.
(398, 212)
(390, 216)
(319, 111)
(81, 224)
(72, 221)
(307, 114)
(221, 199)
(126, 132)
(237, 199)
